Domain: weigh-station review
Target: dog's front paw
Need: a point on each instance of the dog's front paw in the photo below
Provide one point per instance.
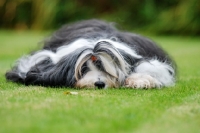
(141, 81)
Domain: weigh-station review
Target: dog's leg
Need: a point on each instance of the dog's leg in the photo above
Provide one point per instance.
(151, 74)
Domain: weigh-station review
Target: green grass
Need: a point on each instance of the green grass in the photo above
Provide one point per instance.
(33, 109)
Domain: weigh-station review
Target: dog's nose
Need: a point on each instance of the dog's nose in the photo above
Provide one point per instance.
(99, 84)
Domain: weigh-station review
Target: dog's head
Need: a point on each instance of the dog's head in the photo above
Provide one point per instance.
(103, 66)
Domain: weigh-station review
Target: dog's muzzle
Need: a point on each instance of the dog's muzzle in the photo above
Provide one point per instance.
(99, 84)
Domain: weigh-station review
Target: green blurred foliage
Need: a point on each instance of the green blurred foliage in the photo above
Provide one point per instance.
(156, 16)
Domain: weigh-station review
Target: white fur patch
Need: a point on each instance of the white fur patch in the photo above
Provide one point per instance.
(26, 62)
(69, 48)
(157, 70)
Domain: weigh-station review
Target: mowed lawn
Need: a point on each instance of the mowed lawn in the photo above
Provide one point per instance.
(34, 109)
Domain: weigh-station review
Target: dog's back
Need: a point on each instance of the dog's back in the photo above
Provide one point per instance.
(88, 29)
(96, 29)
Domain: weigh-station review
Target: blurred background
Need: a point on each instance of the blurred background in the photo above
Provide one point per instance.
(177, 17)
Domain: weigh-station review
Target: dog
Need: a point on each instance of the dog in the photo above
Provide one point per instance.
(94, 54)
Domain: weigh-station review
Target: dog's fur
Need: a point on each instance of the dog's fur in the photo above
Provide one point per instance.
(94, 54)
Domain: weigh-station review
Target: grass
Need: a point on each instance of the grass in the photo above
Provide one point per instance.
(33, 109)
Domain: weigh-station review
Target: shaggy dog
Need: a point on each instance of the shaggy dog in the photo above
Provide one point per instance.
(94, 54)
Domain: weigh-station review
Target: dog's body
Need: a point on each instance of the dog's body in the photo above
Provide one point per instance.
(93, 54)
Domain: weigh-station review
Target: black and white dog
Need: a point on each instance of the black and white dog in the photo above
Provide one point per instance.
(94, 54)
